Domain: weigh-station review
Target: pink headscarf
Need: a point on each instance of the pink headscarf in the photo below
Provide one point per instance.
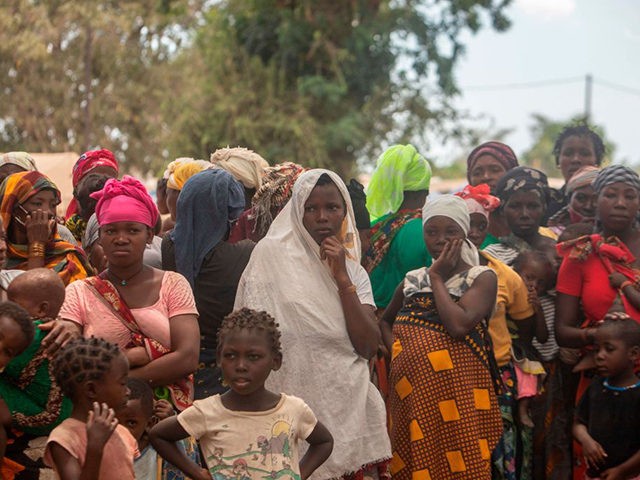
(479, 199)
(125, 200)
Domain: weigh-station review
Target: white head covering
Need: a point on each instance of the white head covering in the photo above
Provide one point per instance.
(456, 209)
(287, 278)
(245, 165)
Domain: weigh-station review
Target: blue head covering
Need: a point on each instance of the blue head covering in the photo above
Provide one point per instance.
(207, 204)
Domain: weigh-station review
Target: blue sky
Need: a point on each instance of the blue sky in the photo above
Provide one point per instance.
(549, 40)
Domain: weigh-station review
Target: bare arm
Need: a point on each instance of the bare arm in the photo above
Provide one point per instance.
(163, 437)
(540, 325)
(568, 334)
(389, 316)
(183, 358)
(320, 447)
(592, 450)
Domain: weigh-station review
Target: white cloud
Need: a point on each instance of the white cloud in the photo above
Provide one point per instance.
(547, 9)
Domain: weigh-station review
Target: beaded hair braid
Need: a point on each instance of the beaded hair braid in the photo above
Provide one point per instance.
(81, 360)
(245, 318)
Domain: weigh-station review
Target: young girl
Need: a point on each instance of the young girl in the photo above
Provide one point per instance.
(248, 428)
(90, 444)
(607, 420)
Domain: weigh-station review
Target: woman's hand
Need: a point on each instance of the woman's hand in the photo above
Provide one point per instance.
(334, 253)
(60, 333)
(616, 279)
(137, 356)
(101, 423)
(39, 226)
(448, 260)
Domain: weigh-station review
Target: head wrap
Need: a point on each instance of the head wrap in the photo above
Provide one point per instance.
(616, 174)
(522, 179)
(19, 159)
(90, 160)
(400, 168)
(454, 208)
(497, 150)
(582, 178)
(91, 233)
(245, 165)
(20, 187)
(175, 164)
(479, 199)
(275, 192)
(359, 201)
(207, 204)
(184, 171)
(125, 200)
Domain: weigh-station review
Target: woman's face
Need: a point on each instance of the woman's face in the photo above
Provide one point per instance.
(123, 243)
(44, 200)
(523, 212)
(486, 170)
(172, 202)
(477, 228)
(438, 231)
(324, 212)
(576, 152)
(583, 201)
(617, 207)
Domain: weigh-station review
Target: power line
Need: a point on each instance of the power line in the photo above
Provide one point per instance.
(620, 88)
(534, 84)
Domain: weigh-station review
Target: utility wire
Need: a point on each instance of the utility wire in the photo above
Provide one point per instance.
(615, 86)
(534, 84)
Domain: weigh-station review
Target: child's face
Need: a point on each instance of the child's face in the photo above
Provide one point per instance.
(13, 341)
(31, 305)
(613, 356)
(535, 276)
(575, 153)
(246, 360)
(132, 417)
(112, 387)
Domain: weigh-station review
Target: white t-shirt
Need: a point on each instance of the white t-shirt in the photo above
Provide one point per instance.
(249, 445)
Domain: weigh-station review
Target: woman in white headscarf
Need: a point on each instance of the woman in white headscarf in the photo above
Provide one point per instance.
(445, 419)
(306, 273)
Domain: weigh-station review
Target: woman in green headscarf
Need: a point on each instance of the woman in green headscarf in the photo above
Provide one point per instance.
(397, 191)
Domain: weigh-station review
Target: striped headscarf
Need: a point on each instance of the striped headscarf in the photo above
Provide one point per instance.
(498, 150)
(19, 159)
(582, 178)
(400, 168)
(616, 174)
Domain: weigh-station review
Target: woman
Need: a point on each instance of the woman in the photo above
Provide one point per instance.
(245, 165)
(397, 190)
(487, 164)
(445, 420)
(14, 162)
(582, 201)
(149, 313)
(182, 171)
(198, 248)
(28, 202)
(306, 273)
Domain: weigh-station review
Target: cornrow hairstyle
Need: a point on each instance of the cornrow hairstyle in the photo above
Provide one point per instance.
(580, 130)
(248, 319)
(81, 360)
(19, 315)
(141, 390)
(627, 330)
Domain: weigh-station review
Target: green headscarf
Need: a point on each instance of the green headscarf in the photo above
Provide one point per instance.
(400, 168)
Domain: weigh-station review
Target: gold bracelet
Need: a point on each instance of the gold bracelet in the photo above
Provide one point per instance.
(350, 289)
(36, 249)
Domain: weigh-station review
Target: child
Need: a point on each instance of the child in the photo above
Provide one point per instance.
(16, 333)
(536, 271)
(248, 428)
(90, 443)
(607, 421)
(139, 415)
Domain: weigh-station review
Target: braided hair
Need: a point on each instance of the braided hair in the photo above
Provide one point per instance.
(245, 318)
(81, 360)
(580, 130)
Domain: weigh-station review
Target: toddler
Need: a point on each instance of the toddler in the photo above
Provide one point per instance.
(90, 443)
(607, 420)
(248, 428)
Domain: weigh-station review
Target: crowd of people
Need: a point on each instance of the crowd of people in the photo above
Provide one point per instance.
(268, 321)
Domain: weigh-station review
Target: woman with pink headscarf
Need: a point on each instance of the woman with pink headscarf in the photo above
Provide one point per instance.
(149, 313)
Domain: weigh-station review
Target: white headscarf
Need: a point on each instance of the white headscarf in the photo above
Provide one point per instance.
(455, 208)
(287, 278)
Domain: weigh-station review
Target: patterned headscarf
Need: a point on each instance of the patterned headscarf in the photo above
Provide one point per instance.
(479, 199)
(91, 233)
(175, 164)
(582, 178)
(20, 187)
(497, 150)
(400, 168)
(616, 174)
(87, 162)
(245, 165)
(522, 179)
(454, 208)
(19, 159)
(125, 200)
(184, 171)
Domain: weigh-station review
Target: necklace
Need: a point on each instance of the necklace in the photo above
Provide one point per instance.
(124, 281)
(605, 383)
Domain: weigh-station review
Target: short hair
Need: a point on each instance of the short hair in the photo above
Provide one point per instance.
(626, 329)
(40, 285)
(20, 316)
(81, 360)
(529, 256)
(248, 319)
(141, 390)
(580, 130)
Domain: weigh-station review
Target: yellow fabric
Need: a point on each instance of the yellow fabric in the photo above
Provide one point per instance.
(440, 360)
(456, 461)
(415, 432)
(184, 172)
(397, 463)
(511, 299)
(484, 448)
(403, 387)
(449, 410)
(421, 475)
(547, 232)
(481, 399)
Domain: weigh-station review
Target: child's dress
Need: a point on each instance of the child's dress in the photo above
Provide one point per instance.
(243, 445)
